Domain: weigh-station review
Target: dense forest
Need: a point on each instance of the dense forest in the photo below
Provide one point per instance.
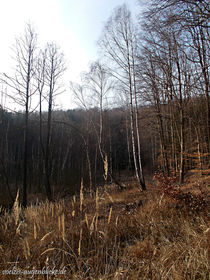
(143, 107)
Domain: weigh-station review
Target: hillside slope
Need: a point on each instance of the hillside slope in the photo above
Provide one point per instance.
(109, 234)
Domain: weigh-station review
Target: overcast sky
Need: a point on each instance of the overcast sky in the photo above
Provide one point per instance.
(75, 25)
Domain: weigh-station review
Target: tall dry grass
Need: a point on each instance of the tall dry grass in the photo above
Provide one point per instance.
(109, 236)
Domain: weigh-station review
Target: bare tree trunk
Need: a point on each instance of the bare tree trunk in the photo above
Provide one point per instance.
(181, 168)
(4, 172)
(24, 88)
(128, 143)
(47, 150)
(95, 163)
(25, 158)
(142, 180)
(141, 174)
(203, 59)
(133, 139)
(88, 162)
(119, 43)
(110, 151)
(89, 169)
(199, 150)
(53, 71)
(162, 139)
(138, 170)
(181, 118)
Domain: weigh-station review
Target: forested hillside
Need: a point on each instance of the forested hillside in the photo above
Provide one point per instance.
(143, 107)
(116, 187)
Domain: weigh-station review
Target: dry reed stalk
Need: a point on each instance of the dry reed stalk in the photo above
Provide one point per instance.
(52, 210)
(80, 242)
(160, 201)
(59, 223)
(110, 214)
(105, 167)
(81, 195)
(16, 208)
(92, 224)
(73, 213)
(97, 199)
(48, 250)
(63, 226)
(26, 249)
(46, 235)
(35, 231)
(18, 228)
(96, 222)
(116, 222)
(86, 220)
(206, 231)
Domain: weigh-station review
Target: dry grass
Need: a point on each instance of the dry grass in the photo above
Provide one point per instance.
(108, 236)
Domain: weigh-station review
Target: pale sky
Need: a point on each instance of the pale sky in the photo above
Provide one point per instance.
(75, 25)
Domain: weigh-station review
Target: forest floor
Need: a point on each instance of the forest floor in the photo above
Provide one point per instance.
(161, 233)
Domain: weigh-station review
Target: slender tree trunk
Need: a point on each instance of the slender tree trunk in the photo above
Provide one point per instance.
(110, 151)
(203, 57)
(41, 146)
(4, 172)
(181, 168)
(88, 162)
(156, 97)
(47, 150)
(95, 167)
(128, 143)
(181, 115)
(199, 151)
(101, 120)
(25, 156)
(142, 180)
(162, 139)
(89, 169)
(25, 159)
(133, 139)
(132, 115)
(47, 160)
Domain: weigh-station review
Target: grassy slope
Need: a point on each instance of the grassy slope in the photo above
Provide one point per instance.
(109, 235)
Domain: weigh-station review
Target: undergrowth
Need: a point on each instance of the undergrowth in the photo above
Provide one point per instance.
(193, 202)
(110, 235)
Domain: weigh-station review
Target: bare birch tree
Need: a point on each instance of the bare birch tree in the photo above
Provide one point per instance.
(120, 46)
(80, 96)
(54, 69)
(22, 88)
